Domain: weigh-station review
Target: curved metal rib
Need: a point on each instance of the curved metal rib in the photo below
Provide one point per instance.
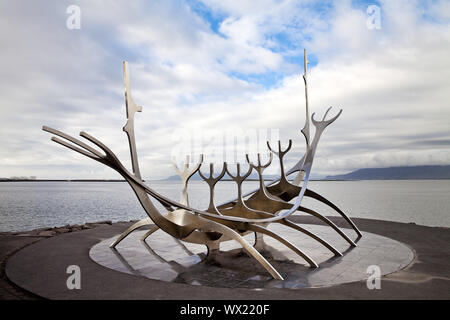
(269, 233)
(135, 226)
(330, 223)
(322, 199)
(215, 226)
(262, 200)
(312, 235)
(149, 233)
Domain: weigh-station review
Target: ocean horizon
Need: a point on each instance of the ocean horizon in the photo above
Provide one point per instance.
(26, 206)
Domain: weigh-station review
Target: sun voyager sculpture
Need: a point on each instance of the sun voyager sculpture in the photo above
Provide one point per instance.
(272, 202)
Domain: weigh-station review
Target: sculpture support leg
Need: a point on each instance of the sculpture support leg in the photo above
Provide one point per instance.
(214, 226)
(330, 223)
(259, 245)
(265, 231)
(312, 235)
(318, 197)
(213, 248)
(135, 226)
(149, 232)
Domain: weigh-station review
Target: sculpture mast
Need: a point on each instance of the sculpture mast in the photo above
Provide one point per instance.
(132, 108)
(305, 129)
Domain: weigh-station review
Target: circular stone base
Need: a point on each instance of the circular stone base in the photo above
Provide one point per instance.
(164, 258)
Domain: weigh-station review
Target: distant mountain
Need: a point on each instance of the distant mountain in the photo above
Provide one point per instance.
(396, 173)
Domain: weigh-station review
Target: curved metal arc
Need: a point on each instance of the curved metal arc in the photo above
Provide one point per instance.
(74, 148)
(310, 193)
(149, 233)
(292, 225)
(73, 140)
(260, 229)
(273, 206)
(215, 226)
(330, 223)
(262, 200)
(108, 152)
(137, 225)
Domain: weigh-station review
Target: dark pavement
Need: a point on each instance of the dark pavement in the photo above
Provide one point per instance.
(41, 268)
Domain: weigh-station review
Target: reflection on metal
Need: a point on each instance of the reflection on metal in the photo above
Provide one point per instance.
(274, 202)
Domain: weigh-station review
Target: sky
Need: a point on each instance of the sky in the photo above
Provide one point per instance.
(219, 68)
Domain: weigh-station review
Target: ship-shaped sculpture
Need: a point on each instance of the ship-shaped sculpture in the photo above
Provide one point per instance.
(273, 202)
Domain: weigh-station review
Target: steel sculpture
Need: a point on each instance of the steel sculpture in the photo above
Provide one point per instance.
(251, 212)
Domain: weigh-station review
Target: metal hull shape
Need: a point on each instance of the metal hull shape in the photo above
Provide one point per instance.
(273, 202)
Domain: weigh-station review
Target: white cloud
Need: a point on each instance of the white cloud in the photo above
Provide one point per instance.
(392, 83)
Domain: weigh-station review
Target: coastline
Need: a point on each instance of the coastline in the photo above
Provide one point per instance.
(53, 231)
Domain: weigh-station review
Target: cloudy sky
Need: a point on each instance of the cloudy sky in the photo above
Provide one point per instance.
(224, 66)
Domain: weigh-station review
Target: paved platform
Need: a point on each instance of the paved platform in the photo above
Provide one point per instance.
(161, 257)
(41, 268)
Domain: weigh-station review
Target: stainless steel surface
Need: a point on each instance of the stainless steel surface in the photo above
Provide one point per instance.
(231, 221)
(132, 108)
(211, 181)
(185, 175)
